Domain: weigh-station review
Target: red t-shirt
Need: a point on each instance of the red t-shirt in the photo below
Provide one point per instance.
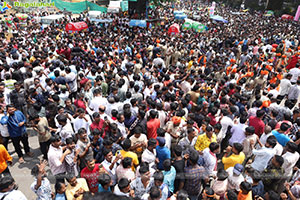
(258, 124)
(91, 177)
(152, 126)
(99, 126)
(79, 104)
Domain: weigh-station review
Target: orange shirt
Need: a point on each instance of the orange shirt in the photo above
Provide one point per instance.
(242, 196)
(4, 156)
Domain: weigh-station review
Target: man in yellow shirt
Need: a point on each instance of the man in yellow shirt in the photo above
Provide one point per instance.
(130, 154)
(233, 155)
(76, 187)
(204, 140)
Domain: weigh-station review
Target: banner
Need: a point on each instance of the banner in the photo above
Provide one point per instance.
(297, 14)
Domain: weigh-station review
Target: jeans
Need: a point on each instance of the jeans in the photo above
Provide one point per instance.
(44, 148)
(16, 142)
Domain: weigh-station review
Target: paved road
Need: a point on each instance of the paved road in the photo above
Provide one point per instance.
(22, 172)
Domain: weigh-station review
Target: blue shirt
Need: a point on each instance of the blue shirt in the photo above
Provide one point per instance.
(281, 138)
(60, 197)
(12, 122)
(101, 189)
(169, 178)
(162, 153)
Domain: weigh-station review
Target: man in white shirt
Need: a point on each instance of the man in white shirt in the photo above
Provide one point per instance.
(210, 158)
(290, 158)
(225, 122)
(82, 121)
(238, 131)
(8, 189)
(123, 188)
(56, 158)
(110, 164)
(295, 74)
(149, 155)
(263, 155)
(285, 85)
(65, 130)
(97, 101)
(235, 177)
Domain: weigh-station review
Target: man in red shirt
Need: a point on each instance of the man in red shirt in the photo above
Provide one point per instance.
(152, 125)
(91, 173)
(98, 123)
(257, 122)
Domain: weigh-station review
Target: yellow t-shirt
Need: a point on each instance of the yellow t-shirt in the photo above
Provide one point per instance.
(232, 160)
(203, 141)
(70, 191)
(130, 154)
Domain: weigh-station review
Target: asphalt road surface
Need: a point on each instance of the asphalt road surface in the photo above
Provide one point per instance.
(22, 172)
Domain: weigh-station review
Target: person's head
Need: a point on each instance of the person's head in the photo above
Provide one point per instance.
(104, 180)
(62, 119)
(126, 162)
(96, 117)
(230, 195)
(102, 109)
(284, 127)
(271, 142)
(144, 172)
(71, 178)
(151, 144)
(214, 147)
(177, 150)
(10, 109)
(291, 147)
(238, 169)
(277, 161)
(7, 183)
(90, 164)
(155, 193)
(153, 114)
(70, 143)
(167, 165)
(271, 195)
(55, 141)
(245, 187)
(124, 185)
(237, 148)
(107, 153)
(82, 134)
(137, 131)
(158, 178)
(193, 158)
(35, 171)
(260, 113)
(161, 141)
(208, 194)
(126, 144)
(209, 131)
(222, 174)
(250, 130)
(191, 133)
(60, 188)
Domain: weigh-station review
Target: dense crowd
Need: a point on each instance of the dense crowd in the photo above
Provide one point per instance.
(136, 113)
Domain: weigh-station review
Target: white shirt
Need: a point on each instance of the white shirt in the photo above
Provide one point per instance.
(285, 86)
(65, 132)
(117, 191)
(97, 102)
(82, 123)
(54, 156)
(234, 181)
(122, 128)
(262, 157)
(290, 160)
(274, 93)
(225, 122)
(112, 172)
(238, 133)
(148, 156)
(13, 195)
(3, 128)
(210, 161)
(295, 72)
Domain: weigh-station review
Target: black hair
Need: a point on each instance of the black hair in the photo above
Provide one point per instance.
(127, 162)
(239, 147)
(158, 176)
(104, 179)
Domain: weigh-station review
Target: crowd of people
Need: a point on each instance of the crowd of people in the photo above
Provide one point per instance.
(135, 113)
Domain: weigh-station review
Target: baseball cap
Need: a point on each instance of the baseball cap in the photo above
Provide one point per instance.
(161, 141)
(238, 169)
